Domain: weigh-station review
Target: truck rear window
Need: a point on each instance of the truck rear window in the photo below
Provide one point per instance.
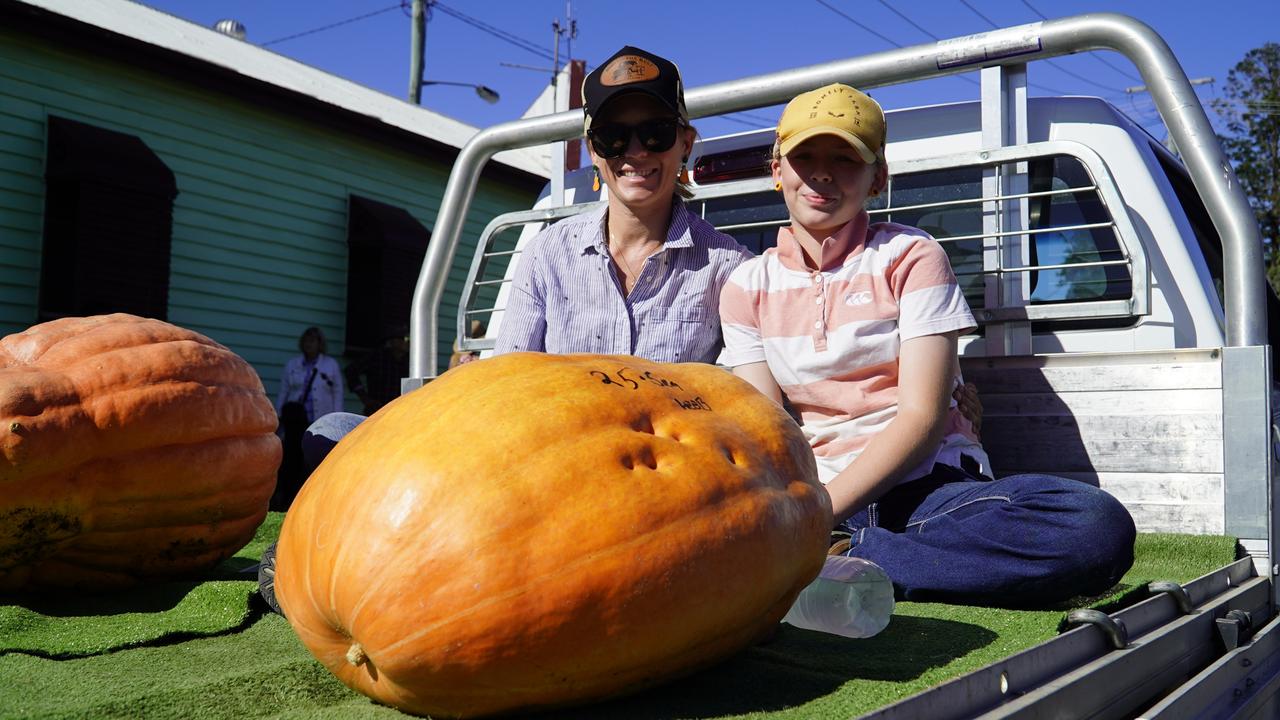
(924, 200)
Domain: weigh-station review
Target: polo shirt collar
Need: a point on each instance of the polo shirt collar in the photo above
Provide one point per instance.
(835, 249)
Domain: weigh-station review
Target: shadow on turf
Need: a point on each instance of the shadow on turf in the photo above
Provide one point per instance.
(150, 597)
(255, 610)
(796, 667)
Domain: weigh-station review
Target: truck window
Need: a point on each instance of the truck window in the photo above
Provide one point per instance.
(921, 200)
(907, 191)
(1073, 246)
(1197, 216)
(1210, 243)
(1066, 210)
(752, 219)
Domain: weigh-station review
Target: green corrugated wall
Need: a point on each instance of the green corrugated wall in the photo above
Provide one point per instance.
(259, 228)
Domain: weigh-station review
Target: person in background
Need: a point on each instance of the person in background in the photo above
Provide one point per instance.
(375, 378)
(855, 325)
(310, 387)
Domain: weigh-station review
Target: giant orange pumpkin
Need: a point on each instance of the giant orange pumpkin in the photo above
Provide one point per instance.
(536, 530)
(130, 449)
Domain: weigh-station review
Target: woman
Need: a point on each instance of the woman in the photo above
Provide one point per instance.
(310, 387)
(856, 326)
(640, 276)
(312, 378)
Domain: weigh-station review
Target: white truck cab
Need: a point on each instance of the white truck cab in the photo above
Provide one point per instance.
(1123, 341)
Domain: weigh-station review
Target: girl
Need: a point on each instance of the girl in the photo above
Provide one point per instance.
(856, 326)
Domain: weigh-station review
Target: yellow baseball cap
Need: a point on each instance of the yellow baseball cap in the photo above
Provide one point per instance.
(834, 110)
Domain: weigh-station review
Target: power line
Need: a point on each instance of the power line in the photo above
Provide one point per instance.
(526, 45)
(884, 38)
(833, 9)
(917, 26)
(921, 28)
(769, 122)
(1092, 54)
(331, 26)
(749, 123)
(1079, 77)
(911, 22)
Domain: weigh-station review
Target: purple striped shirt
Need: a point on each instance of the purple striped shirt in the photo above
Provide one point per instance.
(566, 298)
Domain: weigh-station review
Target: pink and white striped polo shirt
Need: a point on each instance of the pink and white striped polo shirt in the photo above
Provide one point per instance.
(832, 336)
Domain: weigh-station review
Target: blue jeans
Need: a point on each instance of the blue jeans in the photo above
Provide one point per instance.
(323, 434)
(1018, 541)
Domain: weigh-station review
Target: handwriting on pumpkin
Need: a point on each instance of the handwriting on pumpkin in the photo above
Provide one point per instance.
(630, 379)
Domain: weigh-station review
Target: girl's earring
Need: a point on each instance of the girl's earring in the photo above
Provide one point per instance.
(595, 182)
(777, 187)
(683, 177)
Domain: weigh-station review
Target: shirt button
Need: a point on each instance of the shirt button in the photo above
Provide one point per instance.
(817, 300)
(817, 325)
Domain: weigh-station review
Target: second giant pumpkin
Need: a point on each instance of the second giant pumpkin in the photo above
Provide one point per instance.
(537, 530)
(131, 450)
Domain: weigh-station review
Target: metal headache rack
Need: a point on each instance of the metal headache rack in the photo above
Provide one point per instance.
(1000, 296)
(1208, 647)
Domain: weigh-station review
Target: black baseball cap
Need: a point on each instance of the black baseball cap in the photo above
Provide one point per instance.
(632, 70)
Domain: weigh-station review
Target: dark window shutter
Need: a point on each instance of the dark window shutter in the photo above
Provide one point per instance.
(385, 247)
(108, 221)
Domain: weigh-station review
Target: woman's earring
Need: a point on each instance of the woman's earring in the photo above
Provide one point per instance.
(777, 187)
(683, 177)
(595, 182)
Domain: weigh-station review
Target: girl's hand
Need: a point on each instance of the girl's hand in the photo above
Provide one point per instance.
(969, 405)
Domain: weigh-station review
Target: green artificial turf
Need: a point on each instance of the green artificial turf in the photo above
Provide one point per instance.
(213, 653)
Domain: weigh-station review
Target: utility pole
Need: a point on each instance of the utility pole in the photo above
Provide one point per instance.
(418, 50)
(561, 101)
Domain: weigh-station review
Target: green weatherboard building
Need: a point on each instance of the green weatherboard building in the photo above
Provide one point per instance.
(153, 166)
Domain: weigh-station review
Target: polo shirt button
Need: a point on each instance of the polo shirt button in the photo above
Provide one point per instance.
(818, 325)
(818, 300)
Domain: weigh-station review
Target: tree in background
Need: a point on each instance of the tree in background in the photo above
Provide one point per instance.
(1250, 107)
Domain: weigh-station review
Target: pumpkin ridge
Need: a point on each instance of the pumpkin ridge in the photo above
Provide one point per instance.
(44, 436)
(252, 497)
(531, 584)
(71, 336)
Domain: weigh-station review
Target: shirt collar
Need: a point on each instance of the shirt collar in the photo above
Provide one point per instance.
(835, 249)
(679, 229)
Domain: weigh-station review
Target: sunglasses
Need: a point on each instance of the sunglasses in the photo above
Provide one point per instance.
(610, 140)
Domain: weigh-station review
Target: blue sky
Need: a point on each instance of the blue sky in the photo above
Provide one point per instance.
(716, 41)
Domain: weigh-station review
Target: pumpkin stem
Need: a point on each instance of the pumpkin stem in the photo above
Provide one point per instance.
(355, 655)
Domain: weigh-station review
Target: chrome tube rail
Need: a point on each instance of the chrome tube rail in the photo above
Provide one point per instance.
(1167, 83)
